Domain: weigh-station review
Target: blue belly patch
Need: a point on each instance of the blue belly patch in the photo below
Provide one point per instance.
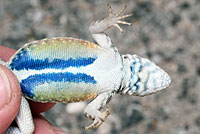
(28, 63)
(28, 85)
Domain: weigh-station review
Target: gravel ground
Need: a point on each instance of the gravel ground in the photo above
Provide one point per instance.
(165, 31)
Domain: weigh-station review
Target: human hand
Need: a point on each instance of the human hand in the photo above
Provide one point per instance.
(10, 99)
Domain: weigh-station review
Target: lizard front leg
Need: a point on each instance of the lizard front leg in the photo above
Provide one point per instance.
(23, 119)
(92, 110)
(97, 29)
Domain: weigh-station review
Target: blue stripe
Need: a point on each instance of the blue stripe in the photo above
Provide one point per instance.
(28, 85)
(55, 64)
(24, 61)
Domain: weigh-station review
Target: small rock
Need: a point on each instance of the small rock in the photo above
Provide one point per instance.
(176, 18)
(135, 118)
(185, 89)
(198, 71)
(194, 17)
(197, 121)
(193, 99)
(179, 50)
(161, 114)
(182, 68)
(185, 5)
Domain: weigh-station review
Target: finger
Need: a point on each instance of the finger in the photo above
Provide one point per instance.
(10, 97)
(44, 127)
(6, 53)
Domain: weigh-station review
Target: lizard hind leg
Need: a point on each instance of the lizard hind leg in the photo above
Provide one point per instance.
(99, 119)
(92, 110)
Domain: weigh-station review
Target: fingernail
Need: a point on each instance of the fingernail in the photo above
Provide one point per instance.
(5, 91)
(59, 131)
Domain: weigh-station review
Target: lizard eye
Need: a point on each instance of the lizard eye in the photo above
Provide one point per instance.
(126, 56)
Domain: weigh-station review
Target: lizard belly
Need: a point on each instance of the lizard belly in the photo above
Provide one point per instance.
(50, 85)
(64, 70)
(71, 84)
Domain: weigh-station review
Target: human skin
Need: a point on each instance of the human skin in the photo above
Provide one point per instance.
(10, 99)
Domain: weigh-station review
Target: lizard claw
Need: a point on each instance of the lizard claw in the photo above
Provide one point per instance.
(98, 120)
(116, 19)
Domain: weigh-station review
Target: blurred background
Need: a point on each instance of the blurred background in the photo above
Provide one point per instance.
(165, 31)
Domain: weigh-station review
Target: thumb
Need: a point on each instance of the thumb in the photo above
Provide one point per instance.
(10, 97)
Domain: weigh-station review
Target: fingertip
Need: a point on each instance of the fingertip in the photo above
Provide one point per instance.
(5, 91)
(6, 53)
(10, 97)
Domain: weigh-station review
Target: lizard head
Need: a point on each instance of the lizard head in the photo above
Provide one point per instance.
(144, 77)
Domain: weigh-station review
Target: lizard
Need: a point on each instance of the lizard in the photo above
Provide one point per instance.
(66, 69)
